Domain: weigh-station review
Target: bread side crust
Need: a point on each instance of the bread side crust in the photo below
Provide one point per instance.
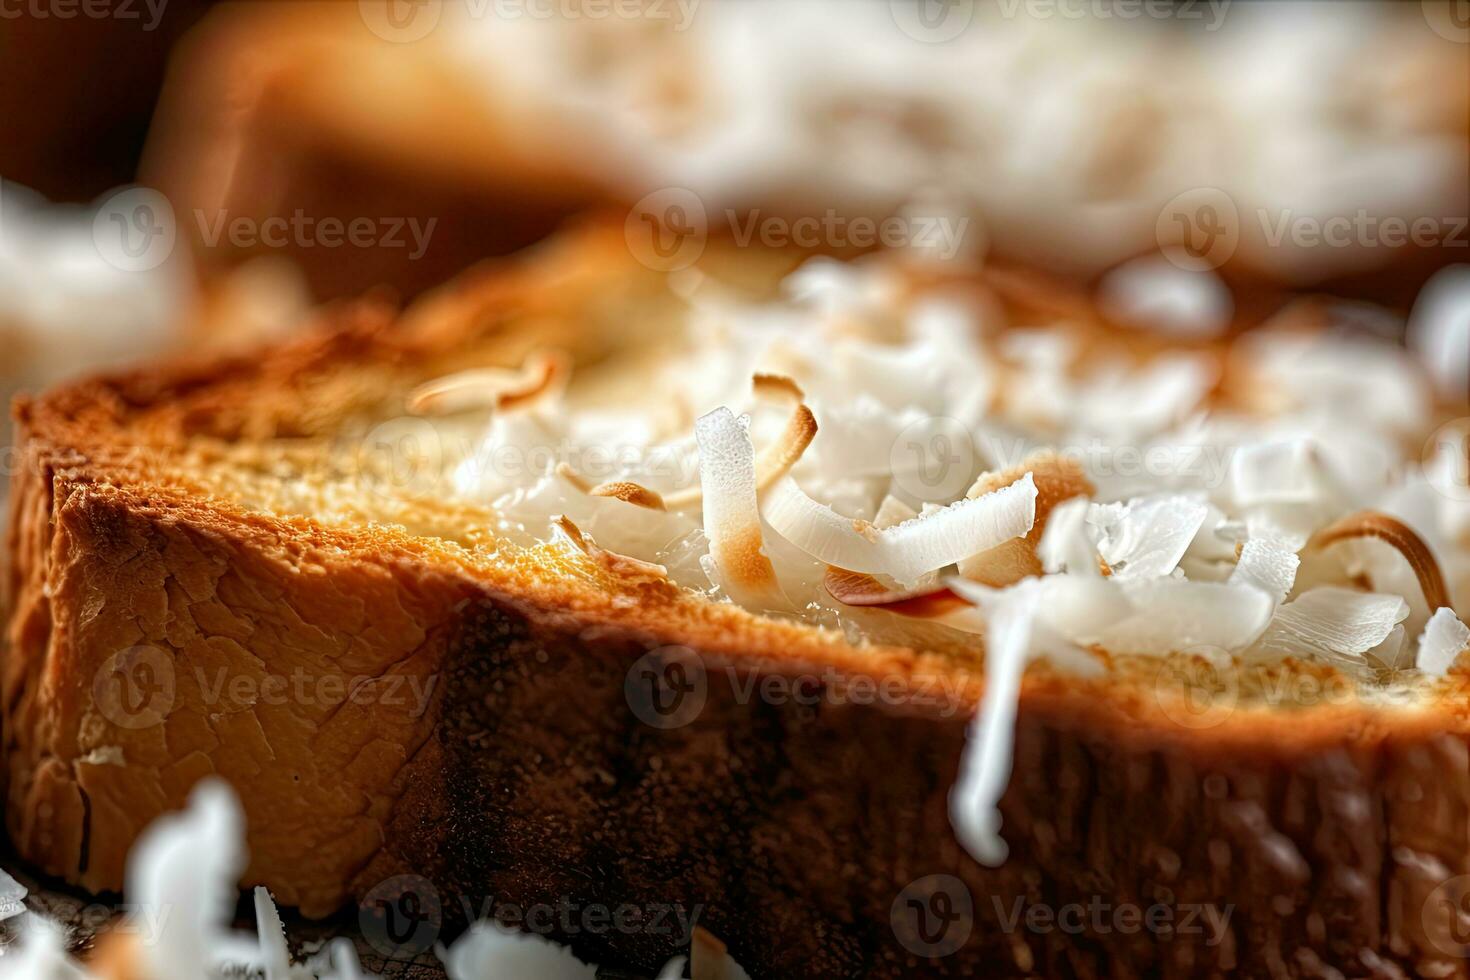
(792, 826)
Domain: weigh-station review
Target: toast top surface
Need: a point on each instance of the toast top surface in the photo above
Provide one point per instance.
(311, 452)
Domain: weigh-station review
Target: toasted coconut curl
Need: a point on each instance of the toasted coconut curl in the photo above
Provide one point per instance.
(773, 462)
(544, 372)
(630, 493)
(1057, 479)
(776, 387)
(861, 589)
(634, 569)
(1374, 524)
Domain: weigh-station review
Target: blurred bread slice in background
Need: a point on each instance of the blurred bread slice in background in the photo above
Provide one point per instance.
(1290, 141)
(278, 110)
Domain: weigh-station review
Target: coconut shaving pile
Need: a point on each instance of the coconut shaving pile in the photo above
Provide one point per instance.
(864, 442)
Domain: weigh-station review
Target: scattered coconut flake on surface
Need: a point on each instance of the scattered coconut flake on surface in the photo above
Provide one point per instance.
(1444, 639)
(1268, 566)
(1171, 615)
(1066, 545)
(1154, 292)
(1332, 622)
(489, 949)
(1146, 537)
(909, 550)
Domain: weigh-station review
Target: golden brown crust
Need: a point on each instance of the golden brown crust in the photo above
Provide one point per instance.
(500, 748)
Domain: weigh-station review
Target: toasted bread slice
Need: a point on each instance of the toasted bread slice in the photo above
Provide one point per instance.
(496, 122)
(235, 567)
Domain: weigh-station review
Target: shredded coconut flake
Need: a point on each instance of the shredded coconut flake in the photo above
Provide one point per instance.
(731, 514)
(909, 550)
(1338, 624)
(1267, 566)
(985, 766)
(1444, 639)
(1146, 538)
